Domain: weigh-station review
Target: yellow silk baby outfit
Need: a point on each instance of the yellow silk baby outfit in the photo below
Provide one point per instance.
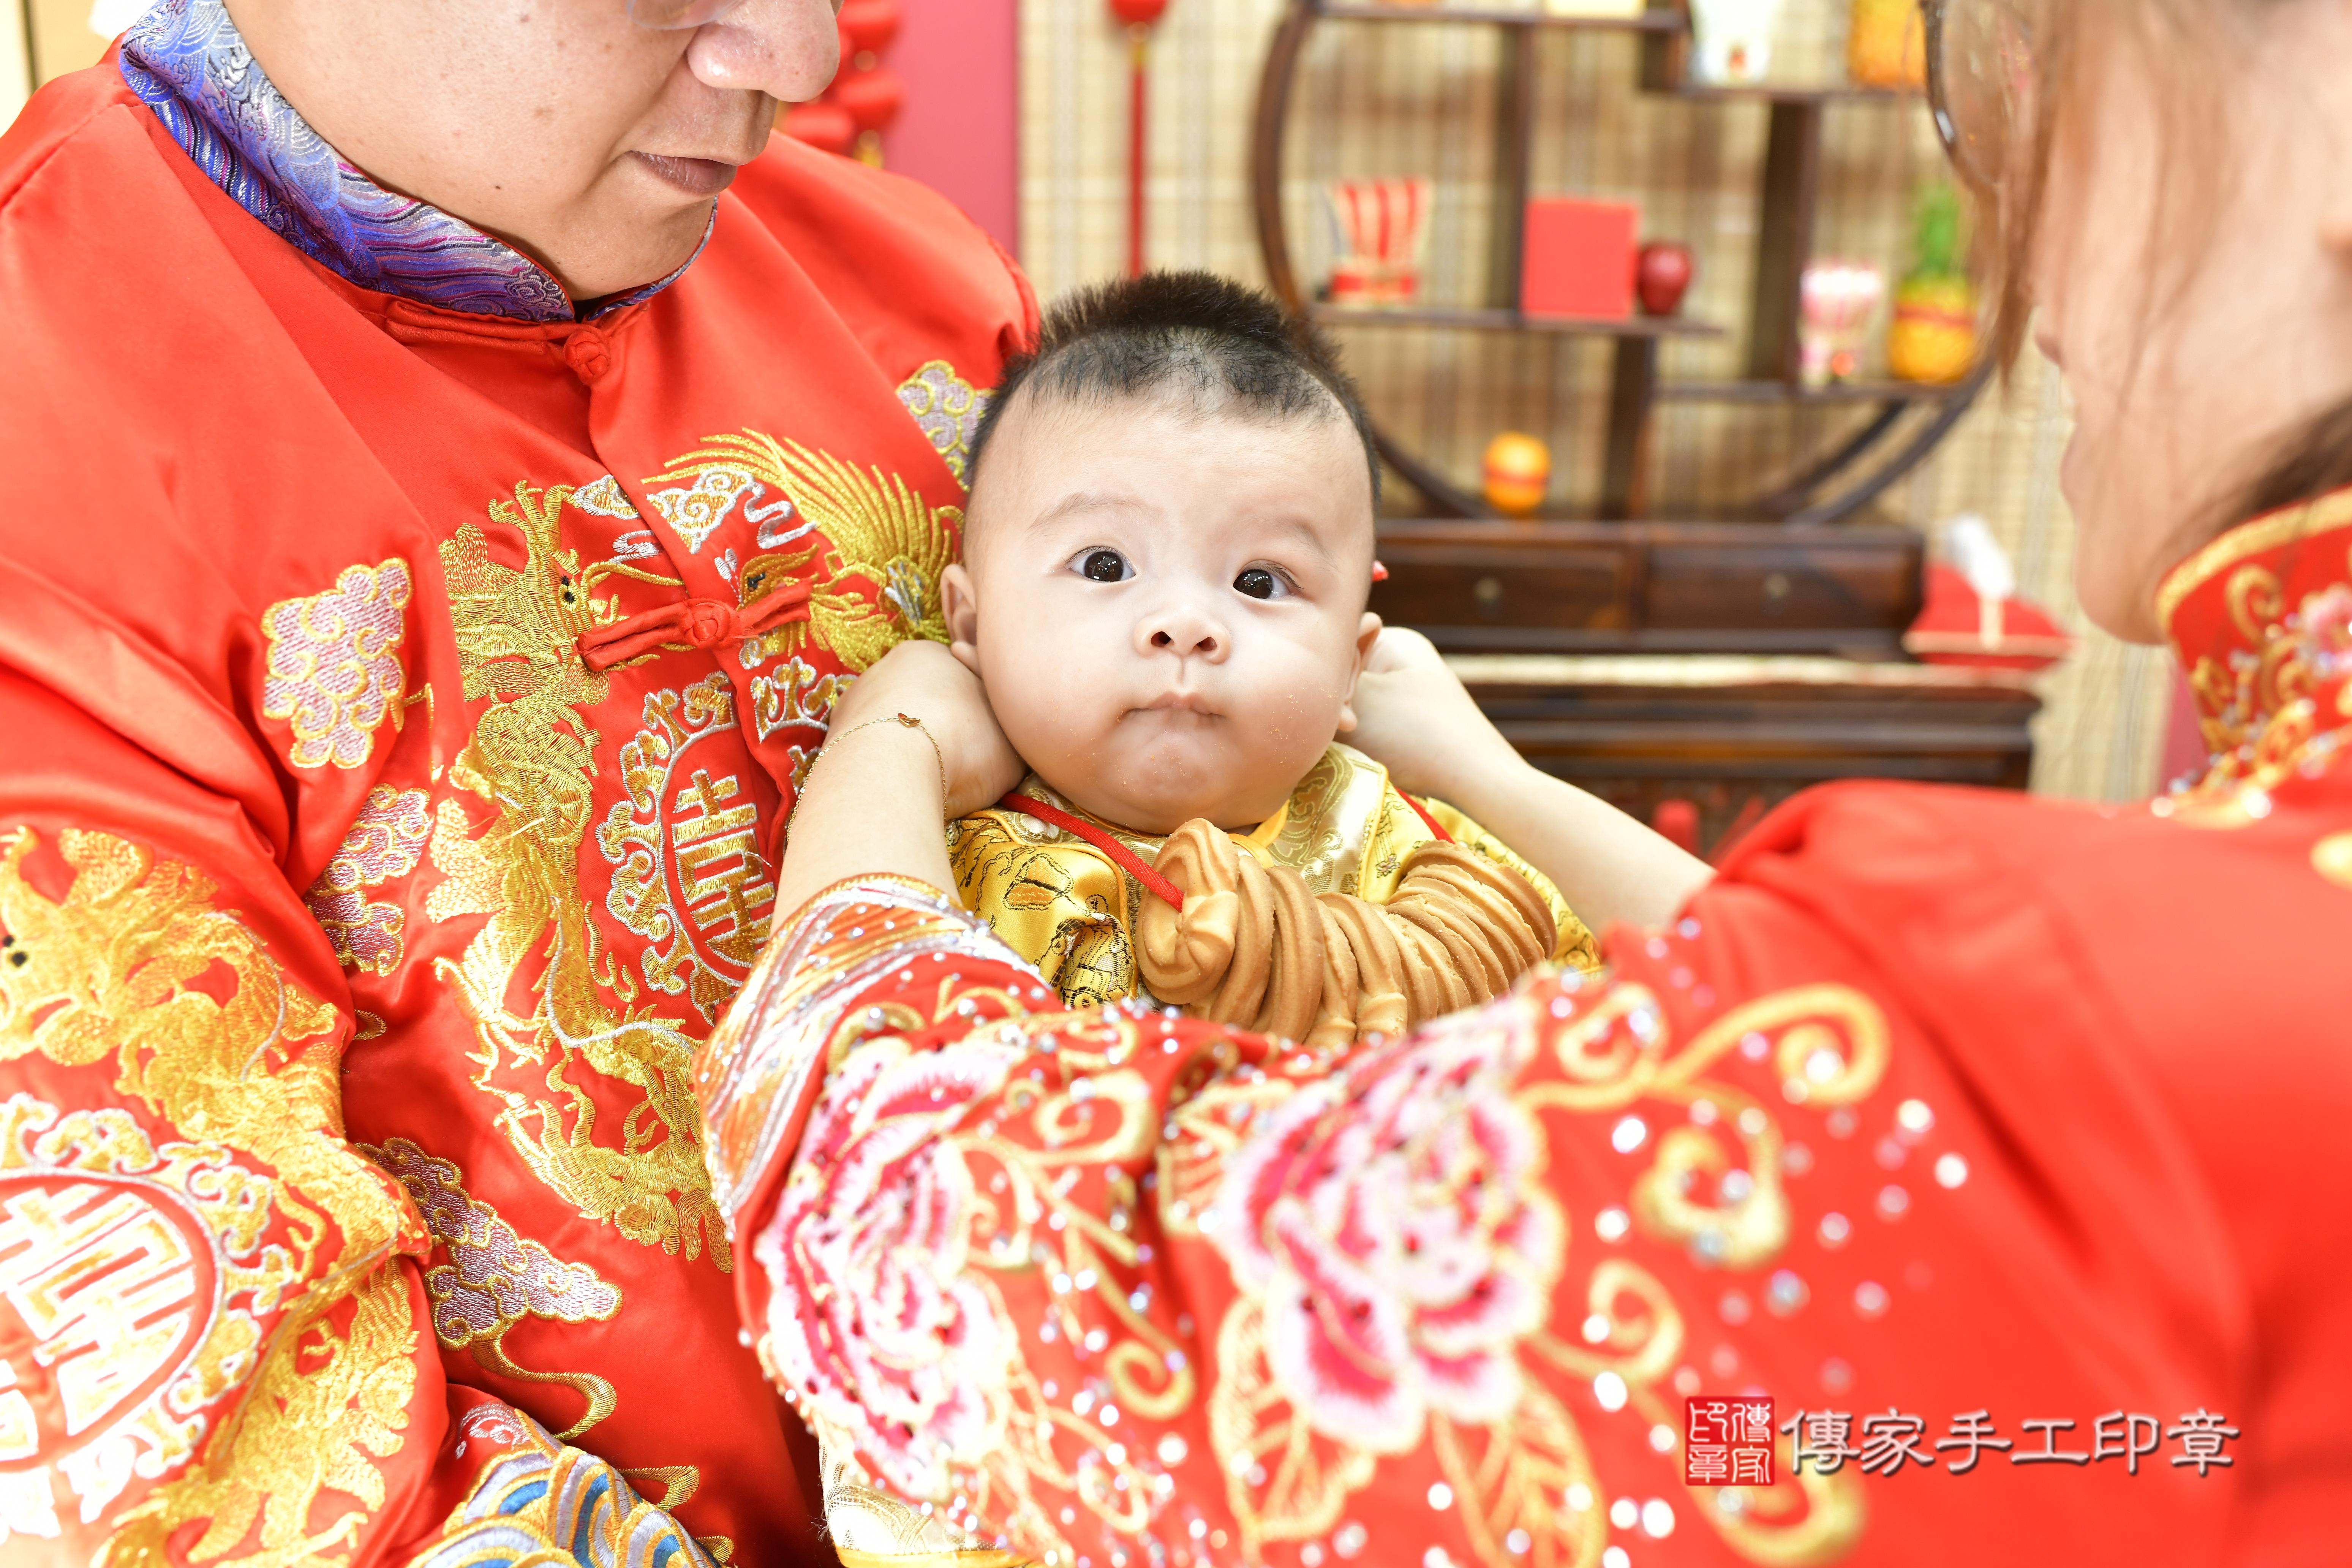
(1063, 905)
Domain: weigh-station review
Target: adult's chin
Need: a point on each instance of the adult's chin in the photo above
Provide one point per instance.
(631, 244)
(2120, 533)
(2116, 585)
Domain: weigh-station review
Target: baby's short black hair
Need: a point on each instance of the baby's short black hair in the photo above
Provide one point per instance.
(1194, 336)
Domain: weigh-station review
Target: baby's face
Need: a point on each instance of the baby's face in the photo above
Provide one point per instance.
(1166, 607)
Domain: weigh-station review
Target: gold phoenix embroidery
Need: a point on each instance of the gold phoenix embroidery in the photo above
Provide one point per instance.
(843, 526)
(532, 763)
(104, 974)
(688, 874)
(495, 1278)
(386, 841)
(333, 671)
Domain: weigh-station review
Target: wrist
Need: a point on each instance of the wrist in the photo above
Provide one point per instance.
(1475, 769)
(895, 745)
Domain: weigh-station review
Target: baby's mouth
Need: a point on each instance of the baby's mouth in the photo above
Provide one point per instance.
(1181, 702)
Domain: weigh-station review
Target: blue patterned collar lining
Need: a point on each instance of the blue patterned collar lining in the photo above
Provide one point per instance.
(187, 61)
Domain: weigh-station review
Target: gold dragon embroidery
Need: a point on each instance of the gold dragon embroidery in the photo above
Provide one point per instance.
(250, 1064)
(563, 1061)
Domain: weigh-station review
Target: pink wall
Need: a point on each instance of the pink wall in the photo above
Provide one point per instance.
(958, 132)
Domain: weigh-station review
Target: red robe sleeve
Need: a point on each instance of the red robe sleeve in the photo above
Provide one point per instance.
(215, 1340)
(1856, 1137)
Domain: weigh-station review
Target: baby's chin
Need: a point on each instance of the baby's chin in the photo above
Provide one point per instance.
(1158, 796)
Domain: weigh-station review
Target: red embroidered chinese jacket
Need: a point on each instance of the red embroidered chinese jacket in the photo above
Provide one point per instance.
(1998, 1142)
(398, 709)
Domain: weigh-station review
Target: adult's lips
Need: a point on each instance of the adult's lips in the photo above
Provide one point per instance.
(696, 176)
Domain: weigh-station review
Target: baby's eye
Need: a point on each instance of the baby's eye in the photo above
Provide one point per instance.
(1260, 584)
(1103, 566)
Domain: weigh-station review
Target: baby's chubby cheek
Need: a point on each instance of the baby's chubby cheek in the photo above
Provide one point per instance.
(1052, 721)
(1281, 719)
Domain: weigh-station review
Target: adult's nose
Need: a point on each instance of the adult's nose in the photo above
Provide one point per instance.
(788, 50)
(1182, 628)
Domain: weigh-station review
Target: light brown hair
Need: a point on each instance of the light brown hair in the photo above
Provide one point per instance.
(2179, 43)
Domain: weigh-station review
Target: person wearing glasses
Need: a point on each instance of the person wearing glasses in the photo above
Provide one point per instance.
(1956, 1179)
(456, 457)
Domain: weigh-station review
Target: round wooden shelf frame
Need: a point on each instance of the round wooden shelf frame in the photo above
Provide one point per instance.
(1909, 420)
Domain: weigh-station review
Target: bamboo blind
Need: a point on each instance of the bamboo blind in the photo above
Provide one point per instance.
(15, 58)
(1419, 99)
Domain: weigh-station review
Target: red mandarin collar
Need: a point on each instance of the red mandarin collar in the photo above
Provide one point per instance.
(2262, 619)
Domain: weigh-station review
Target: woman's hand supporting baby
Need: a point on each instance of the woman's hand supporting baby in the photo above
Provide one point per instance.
(1413, 717)
(875, 798)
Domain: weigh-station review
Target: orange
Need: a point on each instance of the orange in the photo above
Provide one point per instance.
(1517, 473)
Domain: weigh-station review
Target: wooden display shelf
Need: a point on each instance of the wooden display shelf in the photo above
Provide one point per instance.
(1471, 319)
(1657, 19)
(1856, 466)
(1721, 665)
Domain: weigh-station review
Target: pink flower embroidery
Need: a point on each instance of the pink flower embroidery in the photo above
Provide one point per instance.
(874, 1325)
(1391, 1221)
(2325, 631)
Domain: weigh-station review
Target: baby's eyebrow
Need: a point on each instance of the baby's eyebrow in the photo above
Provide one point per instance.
(1088, 500)
(1307, 534)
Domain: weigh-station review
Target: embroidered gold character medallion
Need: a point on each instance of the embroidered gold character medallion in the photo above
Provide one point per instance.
(688, 874)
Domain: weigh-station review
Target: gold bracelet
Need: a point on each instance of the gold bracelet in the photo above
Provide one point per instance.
(911, 723)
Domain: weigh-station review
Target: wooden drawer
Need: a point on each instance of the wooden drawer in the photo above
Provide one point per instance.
(1568, 587)
(1732, 736)
(1510, 590)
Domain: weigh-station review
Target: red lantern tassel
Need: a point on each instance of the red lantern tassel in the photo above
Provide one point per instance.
(1138, 37)
(1138, 15)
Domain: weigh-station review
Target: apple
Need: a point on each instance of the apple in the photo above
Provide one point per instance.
(1662, 276)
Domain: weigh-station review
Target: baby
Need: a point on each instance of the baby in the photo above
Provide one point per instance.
(1166, 560)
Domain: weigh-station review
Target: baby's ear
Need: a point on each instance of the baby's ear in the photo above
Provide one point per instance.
(1368, 632)
(962, 607)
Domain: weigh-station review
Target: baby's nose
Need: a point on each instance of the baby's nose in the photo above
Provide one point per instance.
(1183, 631)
